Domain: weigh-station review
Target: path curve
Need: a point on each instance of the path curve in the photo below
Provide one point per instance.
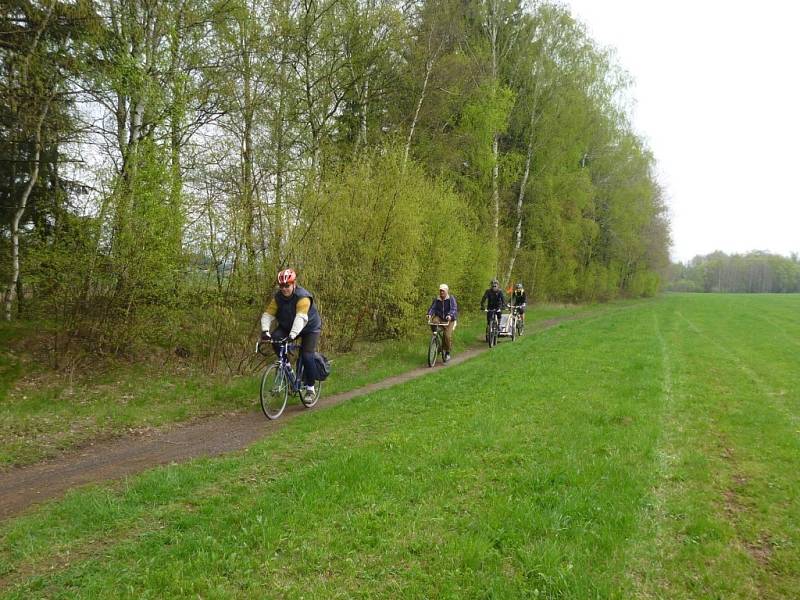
(25, 486)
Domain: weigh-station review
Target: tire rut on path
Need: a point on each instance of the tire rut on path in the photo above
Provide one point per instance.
(25, 486)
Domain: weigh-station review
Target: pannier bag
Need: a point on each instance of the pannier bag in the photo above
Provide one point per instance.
(323, 366)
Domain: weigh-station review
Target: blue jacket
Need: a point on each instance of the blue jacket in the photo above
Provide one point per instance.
(441, 308)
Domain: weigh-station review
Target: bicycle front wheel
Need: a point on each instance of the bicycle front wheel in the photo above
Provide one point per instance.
(493, 335)
(433, 350)
(274, 392)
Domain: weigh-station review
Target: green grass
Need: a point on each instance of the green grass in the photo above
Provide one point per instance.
(45, 413)
(646, 451)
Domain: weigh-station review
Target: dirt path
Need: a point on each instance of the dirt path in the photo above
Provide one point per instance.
(25, 486)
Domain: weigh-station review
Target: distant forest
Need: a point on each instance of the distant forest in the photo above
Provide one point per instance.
(755, 272)
(162, 160)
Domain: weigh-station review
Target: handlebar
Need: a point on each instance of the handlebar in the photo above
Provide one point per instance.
(271, 340)
(442, 324)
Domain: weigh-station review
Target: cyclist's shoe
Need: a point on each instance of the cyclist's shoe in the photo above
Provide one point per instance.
(310, 392)
(446, 357)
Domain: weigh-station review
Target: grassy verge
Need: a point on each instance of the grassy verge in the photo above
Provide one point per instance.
(45, 413)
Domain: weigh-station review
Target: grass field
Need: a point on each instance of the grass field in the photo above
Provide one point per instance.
(649, 450)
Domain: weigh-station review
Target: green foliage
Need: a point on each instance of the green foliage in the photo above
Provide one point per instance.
(384, 237)
(754, 272)
(369, 146)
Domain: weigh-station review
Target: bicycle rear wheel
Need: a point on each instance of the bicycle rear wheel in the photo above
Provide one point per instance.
(274, 392)
(433, 350)
(308, 400)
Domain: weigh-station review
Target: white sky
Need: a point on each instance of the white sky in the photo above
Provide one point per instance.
(717, 98)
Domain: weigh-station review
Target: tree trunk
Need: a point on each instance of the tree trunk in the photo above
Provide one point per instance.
(520, 202)
(11, 290)
(428, 69)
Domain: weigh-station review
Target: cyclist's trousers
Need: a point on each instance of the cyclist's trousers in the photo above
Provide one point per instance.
(448, 332)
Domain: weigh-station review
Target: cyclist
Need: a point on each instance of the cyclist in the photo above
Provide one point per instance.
(494, 300)
(518, 299)
(292, 313)
(444, 310)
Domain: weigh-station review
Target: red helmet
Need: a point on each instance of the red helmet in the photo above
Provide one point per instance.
(286, 276)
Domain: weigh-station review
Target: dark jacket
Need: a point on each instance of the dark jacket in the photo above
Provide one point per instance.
(518, 297)
(287, 310)
(442, 308)
(494, 299)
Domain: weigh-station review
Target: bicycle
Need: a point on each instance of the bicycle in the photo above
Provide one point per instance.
(494, 326)
(436, 345)
(280, 380)
(520, 319)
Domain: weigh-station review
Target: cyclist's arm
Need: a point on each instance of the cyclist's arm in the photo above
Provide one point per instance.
(269, 315)
(300, 317)
(453, 314)
(431, 309)
(483, 300)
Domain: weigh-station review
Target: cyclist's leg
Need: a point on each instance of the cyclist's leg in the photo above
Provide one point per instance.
(310, 341)
(448, 336)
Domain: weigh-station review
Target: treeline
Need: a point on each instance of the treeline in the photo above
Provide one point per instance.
(755, 272)
(162, 160)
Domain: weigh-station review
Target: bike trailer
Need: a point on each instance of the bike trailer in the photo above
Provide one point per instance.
(505, 324)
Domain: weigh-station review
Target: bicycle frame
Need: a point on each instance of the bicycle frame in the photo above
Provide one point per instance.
(294, 377)
(493, 325)
(437, 342)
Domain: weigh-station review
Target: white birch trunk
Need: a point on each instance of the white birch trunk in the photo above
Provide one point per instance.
(493, 27)
(11, 291)
(520, 203)
(428, 69)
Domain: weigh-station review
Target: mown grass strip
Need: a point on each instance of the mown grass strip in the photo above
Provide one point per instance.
(728, 520)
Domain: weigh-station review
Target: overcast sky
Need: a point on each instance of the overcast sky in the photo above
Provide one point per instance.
(717, 92)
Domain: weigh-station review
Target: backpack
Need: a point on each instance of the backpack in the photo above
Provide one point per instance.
(322, 366)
